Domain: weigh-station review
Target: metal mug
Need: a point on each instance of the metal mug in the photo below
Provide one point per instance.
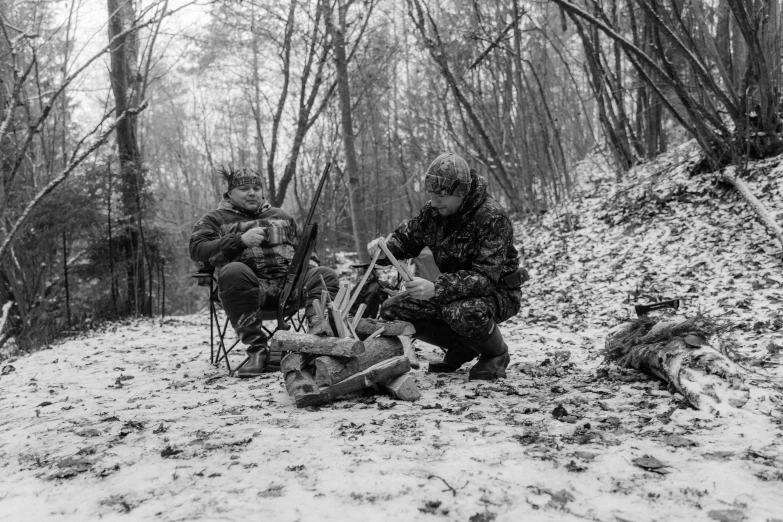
(274, 235)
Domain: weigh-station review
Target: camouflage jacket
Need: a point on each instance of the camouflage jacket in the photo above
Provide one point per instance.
(473, 248)
(217, 240)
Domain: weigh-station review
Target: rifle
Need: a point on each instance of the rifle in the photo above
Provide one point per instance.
(295, 274)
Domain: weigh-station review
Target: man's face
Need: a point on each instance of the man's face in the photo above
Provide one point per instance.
(248, 197)
(446, 205)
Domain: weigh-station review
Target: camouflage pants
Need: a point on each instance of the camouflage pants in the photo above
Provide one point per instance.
(472, 317)
(242, 293)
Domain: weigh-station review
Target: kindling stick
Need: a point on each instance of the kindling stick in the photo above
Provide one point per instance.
(404, 273)
(318, 310)
(338, 320)
(358, 316)
(365, 276)
(375, 334)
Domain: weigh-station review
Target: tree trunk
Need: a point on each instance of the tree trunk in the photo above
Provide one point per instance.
(125, 78)
(358, 221)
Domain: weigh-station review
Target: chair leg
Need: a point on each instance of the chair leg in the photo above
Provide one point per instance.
(222, 346)
(214, 322)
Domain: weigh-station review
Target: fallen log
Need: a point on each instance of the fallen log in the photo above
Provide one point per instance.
(330, 370)
(729, 175)
(403, 387)
(367, 326)
(291, 341)
(678, 353)
(376, 374)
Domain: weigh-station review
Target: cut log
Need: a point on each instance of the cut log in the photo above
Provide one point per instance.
(290, 341)
(297, 361)
(403, 387)
(367, 326)
(379, 373)
(300, 385)
(677, 352)
(331, 370)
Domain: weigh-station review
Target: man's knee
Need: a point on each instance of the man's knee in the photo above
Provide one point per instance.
(330, 278)
(238, 289)
(236, 276)
(469, 318)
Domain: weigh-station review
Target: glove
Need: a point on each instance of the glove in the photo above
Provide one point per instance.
(374, 246)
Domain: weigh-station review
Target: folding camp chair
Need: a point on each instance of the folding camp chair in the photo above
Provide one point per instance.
(289, 312)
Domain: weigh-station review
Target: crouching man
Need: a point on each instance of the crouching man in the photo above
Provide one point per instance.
(472, 242)
(251, 244)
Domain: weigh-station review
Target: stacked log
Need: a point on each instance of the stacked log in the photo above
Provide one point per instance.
(320, 368)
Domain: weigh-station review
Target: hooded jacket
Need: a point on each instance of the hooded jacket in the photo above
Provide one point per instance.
(217, 240)
(473, 248)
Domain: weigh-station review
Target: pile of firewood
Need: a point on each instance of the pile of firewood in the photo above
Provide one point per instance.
(342, 354)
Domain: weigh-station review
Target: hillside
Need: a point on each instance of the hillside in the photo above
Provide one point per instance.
(133, 423)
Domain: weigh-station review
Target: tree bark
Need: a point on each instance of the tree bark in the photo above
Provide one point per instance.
(678, 353)
(331, 370)
(125, 83)
(358, 221)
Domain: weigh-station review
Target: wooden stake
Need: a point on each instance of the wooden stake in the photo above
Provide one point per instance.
(366, 276)
(403, 273)
(318, 310)
(338, 298)
(376, 333)
(358, 316)
(338, 319)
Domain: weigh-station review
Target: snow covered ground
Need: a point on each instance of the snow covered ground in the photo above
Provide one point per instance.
(133, 423)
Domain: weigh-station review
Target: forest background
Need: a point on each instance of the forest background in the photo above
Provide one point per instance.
(116, 115)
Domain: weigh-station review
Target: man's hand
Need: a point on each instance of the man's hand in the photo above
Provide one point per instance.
(421, 289)
(254, 237)
(374, 246)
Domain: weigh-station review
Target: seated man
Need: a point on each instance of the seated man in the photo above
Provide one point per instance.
(251, 262)
(472, 243)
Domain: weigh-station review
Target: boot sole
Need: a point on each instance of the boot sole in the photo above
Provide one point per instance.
(441, 368)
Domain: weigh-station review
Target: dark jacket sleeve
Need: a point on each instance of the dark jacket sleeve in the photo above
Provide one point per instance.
(206, 242)
(486, 268)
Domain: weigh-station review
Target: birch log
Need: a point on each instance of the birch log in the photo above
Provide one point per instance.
(678, 353)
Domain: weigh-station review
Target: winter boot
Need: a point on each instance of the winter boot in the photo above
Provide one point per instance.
(250, 331)
(493, 358)
(453, 360)
(256, 363)
(439, 334)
